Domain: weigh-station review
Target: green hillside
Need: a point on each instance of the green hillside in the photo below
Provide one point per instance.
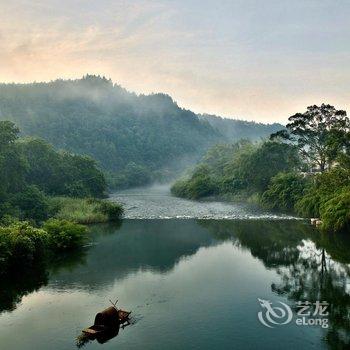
(135, 138)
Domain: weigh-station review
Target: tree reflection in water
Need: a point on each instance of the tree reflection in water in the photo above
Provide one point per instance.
(17, 284)
(312, 265)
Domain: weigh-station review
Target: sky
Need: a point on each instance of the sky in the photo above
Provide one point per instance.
(260, 60)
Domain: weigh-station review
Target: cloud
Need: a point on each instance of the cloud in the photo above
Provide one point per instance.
(248, 59)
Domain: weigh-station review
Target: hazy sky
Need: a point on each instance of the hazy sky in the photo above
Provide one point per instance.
(261, 59)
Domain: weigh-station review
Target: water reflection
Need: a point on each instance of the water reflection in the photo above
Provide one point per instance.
(102, 338)
(155, 245)
(14, 287)
(312, 266)
(168, 270)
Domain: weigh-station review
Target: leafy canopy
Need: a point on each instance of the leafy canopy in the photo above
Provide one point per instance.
(320, 134)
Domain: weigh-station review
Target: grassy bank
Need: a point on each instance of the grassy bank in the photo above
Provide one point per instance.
(22, 245)
(85, 210)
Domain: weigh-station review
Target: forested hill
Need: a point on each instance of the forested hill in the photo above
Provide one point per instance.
(137, 137)
(234, 129)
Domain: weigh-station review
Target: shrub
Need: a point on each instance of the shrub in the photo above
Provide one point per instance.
(309, 205)
(201, 186)
(323, 188)
(259, 166)
(114, 211)
(284, 191)
(335, 212)
(20, 245)
(64, 234)
(180, 189)
(197, 187)
(32, 204)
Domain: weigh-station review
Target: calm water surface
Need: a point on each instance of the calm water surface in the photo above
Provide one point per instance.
(191, 284)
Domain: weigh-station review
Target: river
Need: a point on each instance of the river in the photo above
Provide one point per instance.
(156, 202)
(196, 275)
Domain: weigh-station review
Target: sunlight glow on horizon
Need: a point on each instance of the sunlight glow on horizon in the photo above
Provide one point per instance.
(240, 59)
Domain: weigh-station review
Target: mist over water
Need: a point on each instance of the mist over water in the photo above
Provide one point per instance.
(156, 202)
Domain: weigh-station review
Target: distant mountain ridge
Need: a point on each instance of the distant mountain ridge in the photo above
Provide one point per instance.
(235, 129)
(126, 133)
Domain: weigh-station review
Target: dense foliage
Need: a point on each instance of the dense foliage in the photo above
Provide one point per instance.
(31, 169)
(240, 169)
(65, 234)
(136, 138)
(282, 173)
(328, 197)
(61, 173)
(284, 191)
(29, 204)
(22, 245)
(320, 133)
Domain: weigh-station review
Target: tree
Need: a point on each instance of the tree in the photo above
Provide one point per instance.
(320, 134)
(32, 203)
(265, 162)
(8, 133)
(12, 164)
(61, 173)
(283, 191)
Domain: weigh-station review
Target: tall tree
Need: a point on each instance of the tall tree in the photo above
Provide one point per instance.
(320, 134)
(12, 164)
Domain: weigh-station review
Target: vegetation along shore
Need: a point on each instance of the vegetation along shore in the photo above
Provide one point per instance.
(304, 168)
(45, 197)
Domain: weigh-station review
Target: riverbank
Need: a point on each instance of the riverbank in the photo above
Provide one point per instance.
(268, 174)
(25, 244)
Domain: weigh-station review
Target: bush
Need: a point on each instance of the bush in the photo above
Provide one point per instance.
(180, 189)
(197, 187)
(21, 245)
(259, 166)
(61, 173)
(64, 234)
(335, 212)
(284, 191)
(202, 186)
(32, 204)
(114, 211)
(309, 205)
(323, 188)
